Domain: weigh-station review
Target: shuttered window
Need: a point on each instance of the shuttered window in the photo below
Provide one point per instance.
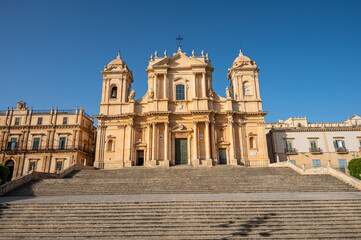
(316, 163)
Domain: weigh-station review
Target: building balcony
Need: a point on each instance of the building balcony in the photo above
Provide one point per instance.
(290, 151)
(315, 150)
(32, 149)
(341, 150)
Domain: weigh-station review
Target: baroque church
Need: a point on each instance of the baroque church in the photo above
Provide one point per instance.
(181, 120)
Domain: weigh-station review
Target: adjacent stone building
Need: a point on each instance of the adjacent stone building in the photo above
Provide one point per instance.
(181, 120)
(45, 140)
(315, 144)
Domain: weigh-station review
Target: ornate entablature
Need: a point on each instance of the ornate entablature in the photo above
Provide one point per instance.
(180, 92)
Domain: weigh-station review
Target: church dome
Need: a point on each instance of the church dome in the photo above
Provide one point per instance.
(241, 59)
(118, 62)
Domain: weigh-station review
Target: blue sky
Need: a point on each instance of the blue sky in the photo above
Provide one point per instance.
(52, 52)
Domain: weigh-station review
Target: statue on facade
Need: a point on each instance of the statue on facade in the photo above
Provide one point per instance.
(228, 93)
(132, 95)
(210, 94)
(151, 94)
(21, 105)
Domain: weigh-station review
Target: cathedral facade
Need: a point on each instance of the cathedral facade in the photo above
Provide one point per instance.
(181, 120)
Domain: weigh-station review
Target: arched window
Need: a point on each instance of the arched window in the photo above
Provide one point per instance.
(252, 142)
(110, 145)
(113, 93)
(179, 91)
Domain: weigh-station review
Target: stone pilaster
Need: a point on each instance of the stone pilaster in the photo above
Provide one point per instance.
(233, 160)
(195, 160)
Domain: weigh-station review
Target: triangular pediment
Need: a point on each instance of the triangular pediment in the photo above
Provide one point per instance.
(178, 60)
(355, 117)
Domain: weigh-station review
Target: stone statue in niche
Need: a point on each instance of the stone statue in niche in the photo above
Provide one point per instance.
(132, 95)
(228, 93)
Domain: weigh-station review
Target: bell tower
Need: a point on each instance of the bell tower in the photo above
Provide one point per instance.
(243, 77)
(117, 80)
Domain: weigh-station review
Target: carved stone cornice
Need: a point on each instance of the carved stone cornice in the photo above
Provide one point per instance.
(335, 129)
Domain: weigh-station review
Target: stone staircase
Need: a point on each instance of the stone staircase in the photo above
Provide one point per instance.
(320, 219)
(185, 180)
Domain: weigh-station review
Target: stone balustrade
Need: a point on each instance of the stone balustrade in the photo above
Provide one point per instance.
(321, 170)
(9, 186)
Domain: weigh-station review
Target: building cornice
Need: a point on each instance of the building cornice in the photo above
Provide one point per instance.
(329, 129)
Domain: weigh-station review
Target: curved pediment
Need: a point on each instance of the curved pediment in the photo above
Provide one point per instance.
(181, 128)
(223, 142)
(140, 144)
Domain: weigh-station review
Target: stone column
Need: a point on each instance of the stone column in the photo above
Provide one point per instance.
(195, 85)
(74, 137)
(233, 160)
(47, 139)
(124, 90)
(21, 140)
(165, 93)
(204, 94)
(154, 139)
(213, 142)
(128, 163)
(120, 93)
(149, 143)
(155, 86)
(166, 144)
(208, 143)
(130, 141)
(195, 144)
(2, 139)
(6, 136)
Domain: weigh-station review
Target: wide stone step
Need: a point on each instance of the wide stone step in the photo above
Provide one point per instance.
(331, 219)
(298, 234)
(220, 179)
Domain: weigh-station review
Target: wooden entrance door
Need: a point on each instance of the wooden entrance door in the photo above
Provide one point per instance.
(222, 156)
(140, 157)
(181, 153)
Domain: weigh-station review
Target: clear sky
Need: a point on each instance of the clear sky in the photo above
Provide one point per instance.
(52, 52)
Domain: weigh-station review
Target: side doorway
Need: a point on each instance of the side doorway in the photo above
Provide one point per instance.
(222, 156)
(140, 158)
(10, 164)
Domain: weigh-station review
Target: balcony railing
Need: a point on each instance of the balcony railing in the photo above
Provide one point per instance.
(315, 150)
(341, 150)
(41, 111)
(87, 115)
(31, 149)
(70, 111)
(290, 151)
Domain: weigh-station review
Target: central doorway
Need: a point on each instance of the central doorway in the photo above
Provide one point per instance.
(140, 157)
(222, 156)
(181, 153)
